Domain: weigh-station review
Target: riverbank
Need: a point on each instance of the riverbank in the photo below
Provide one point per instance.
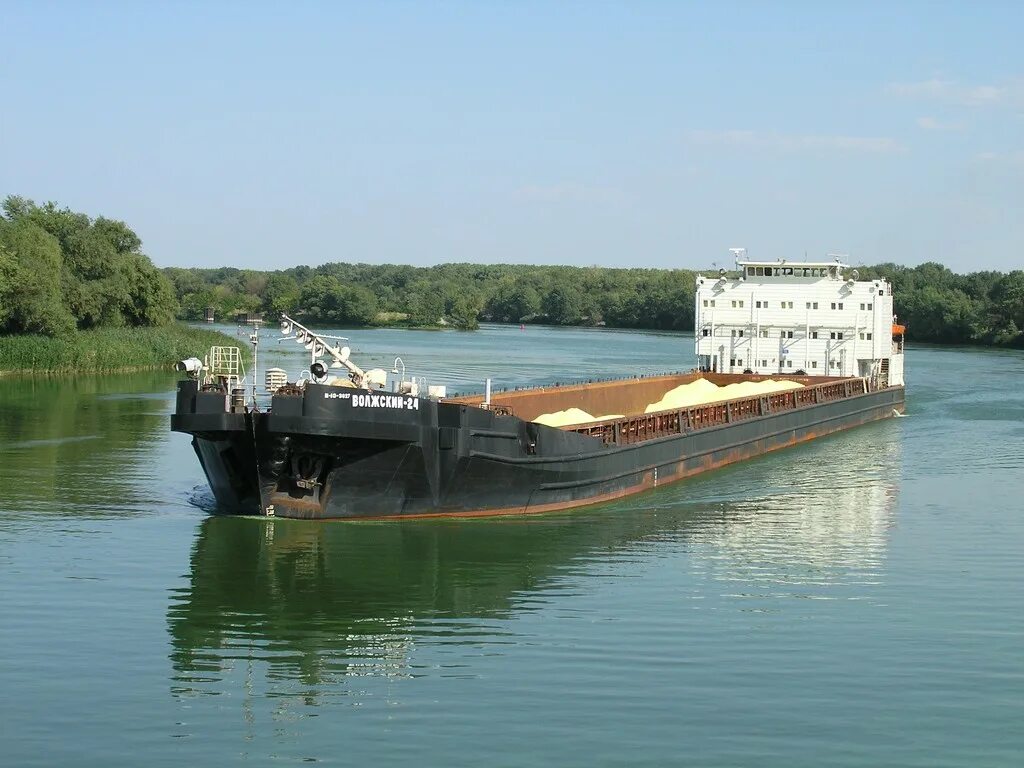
(107, 350)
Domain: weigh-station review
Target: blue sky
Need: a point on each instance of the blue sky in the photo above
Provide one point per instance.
(641, 134)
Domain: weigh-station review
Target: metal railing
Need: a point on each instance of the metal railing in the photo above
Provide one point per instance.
(636, 429)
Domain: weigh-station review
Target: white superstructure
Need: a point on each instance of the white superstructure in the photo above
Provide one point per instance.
(811, 318)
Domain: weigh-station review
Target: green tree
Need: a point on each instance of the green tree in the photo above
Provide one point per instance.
(513, 300)
(281, 294)
(564, 305)
(326, 299)
(425, 305)
(30, 290)
(1007, 309)
(103, 277)
(465, 311)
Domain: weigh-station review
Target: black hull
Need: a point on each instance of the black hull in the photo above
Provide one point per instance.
(355, 455)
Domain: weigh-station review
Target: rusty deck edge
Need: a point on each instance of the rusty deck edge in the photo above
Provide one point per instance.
(648, 483)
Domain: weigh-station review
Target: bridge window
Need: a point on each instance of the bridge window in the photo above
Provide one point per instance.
(767, 271)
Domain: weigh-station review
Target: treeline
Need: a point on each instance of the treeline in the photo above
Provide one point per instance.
(62, 271)
(936, 304)
(458, 295)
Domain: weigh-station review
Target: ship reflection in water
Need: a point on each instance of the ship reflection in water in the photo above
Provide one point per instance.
(309, 610)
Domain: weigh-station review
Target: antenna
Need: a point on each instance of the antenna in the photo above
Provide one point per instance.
(738, 253)
(254, 338)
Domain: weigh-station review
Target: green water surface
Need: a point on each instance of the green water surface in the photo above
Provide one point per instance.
(857, 601)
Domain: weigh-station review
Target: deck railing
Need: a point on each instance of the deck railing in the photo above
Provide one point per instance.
(636, 429)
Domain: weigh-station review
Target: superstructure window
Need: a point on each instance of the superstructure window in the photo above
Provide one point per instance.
(705, 332)
(814, 334)
(812, 305)
(789, 363)
(814, 363)
(705, 302)
(838, 305)
(785, 334)
(787, 305)
(838, 335)
(736, 333)
(764, 333)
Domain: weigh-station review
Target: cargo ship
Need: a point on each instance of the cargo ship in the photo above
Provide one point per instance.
(786, 352)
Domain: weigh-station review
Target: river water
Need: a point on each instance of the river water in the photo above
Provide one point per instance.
(856, 601)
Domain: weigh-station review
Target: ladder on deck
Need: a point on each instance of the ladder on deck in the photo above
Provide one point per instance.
(883, 374)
